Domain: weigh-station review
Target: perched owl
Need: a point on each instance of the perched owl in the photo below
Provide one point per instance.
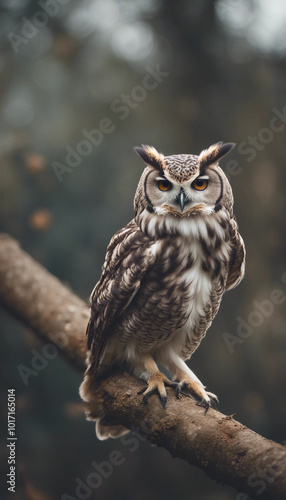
(164, 276)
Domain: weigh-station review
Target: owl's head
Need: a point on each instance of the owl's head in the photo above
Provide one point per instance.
(183, 185)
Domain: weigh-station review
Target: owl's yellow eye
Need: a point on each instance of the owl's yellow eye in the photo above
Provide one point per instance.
(200, 184)
(164, 185)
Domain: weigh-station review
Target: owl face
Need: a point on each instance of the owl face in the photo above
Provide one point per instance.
(183, 185)
(197, 194)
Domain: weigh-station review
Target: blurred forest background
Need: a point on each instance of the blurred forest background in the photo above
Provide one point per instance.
(66, 66)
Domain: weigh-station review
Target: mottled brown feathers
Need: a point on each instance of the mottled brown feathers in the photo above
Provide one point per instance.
(213, 154)
(181, 167)
(151, 156)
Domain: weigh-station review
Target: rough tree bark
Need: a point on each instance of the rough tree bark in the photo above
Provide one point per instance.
(225, 449)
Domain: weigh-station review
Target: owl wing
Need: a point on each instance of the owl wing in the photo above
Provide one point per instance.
(237, 259)
(128, 258)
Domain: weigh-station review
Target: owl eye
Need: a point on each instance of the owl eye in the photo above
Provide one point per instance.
(164, 185)
(200, 184)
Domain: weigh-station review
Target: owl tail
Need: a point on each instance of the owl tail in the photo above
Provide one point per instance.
(104, 428)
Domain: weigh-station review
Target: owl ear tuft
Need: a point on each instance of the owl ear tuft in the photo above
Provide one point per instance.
(151, 156)
(214, 153)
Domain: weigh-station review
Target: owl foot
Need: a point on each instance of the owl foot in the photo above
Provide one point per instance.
(206, 399)
(214, 399)
(157, 383)
(211, 402)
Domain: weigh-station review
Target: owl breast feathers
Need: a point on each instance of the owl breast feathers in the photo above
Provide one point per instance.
(164, 276)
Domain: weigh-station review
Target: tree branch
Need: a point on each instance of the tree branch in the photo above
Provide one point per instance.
(225, 449)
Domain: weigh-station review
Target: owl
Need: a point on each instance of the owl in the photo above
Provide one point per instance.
(164, 276)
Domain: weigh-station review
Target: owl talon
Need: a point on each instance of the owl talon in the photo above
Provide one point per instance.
(157, 383)
(148, 394)
(205, 399)
(210, 402)
(214, 404)
(180, 392)
(142, 390)
(212, 397)
(163, 401)
(149, 391)
(205, 404)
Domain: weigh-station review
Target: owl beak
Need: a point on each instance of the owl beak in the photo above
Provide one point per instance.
(181, 199)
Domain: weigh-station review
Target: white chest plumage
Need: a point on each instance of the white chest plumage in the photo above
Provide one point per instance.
(199, 283)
